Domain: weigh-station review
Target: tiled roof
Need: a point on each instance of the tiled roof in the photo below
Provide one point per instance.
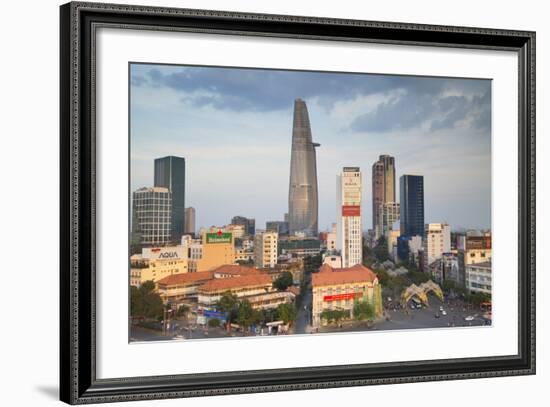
(294, 290)
(223, 284)
(234, 269)
(186, 278)
(333, 276)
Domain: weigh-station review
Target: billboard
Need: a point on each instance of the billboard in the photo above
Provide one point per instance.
(341, 297)
(164, 253)
(219, 237)
(351, 210)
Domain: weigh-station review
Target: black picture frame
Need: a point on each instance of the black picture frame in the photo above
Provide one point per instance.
(78, 382)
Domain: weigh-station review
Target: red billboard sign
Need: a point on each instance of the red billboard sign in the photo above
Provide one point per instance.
(341, 297)
(351, 210)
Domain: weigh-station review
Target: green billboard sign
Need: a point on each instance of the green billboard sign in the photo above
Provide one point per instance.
(218, 237)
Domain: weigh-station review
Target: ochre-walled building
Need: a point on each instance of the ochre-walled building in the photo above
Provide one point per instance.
(340, 288)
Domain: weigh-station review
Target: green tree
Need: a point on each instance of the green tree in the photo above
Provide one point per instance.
(363, 310)
(229, 304)
(477, 298)
(245, 314)
(334, 315)
(312, 263)
(418, 277)
(287, 313)
(283, 281)
(381, 249)
(135, 302)
(145, 301)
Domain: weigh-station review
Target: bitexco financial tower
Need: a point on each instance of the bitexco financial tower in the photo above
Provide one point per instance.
(303, 199)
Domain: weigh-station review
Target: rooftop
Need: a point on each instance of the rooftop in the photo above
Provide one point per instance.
(152, 189)
(334, 276)
(186, 278)
(224, 284)
(234, 269)
(485, 264)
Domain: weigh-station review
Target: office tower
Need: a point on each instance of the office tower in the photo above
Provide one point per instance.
(248, 223)
(302, 196)
(388, 214)
(190, 221)
(170, 173)
(265, 249)
(349, 227)
(152, 216)
(281, 227)
(383, 188)
(411, 195)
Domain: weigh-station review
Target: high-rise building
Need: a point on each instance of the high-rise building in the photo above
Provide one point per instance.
(332, 238)
(265, 249)
(349, 228)
(190, 221)
(411, 195)
(151, 217)
(170, 173)
(383, 188)
(281, 227)
(388, 214)
(302, 196)
(437, 241)
(248, 223)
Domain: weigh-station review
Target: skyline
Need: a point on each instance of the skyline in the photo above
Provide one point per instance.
(446, 139)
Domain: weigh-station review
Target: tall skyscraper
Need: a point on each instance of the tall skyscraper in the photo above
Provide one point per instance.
(349, 228)
(303, 200)
(411, 195)
(190, 221)
(170, 173)
(383, 188)
(151, 217)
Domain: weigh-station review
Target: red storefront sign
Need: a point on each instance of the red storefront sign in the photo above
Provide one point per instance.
(351, 210)
(341, 297)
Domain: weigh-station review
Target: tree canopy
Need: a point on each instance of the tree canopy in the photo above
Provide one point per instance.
(145, 302)
(287, 313)
(363, 310)
(284, 281)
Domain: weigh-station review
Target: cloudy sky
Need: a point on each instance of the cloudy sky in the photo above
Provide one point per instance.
(234, 128)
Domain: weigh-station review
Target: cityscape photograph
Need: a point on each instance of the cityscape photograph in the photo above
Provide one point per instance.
(271, 202)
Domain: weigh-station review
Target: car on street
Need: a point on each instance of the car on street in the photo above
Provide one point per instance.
(437, 315)
(469, 318)
(443, 312)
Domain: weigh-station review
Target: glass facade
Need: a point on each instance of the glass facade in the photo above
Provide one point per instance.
(170, 173)
(411, 191)
(303, 200)
(152, 210)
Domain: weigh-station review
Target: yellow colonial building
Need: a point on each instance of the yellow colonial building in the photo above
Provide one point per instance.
(339, 288)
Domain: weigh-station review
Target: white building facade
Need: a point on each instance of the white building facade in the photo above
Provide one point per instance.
(478, 277)
(349, 228)
(265, 249)
(438, 241)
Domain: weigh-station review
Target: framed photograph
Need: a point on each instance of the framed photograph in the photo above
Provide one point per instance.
(255, 203)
